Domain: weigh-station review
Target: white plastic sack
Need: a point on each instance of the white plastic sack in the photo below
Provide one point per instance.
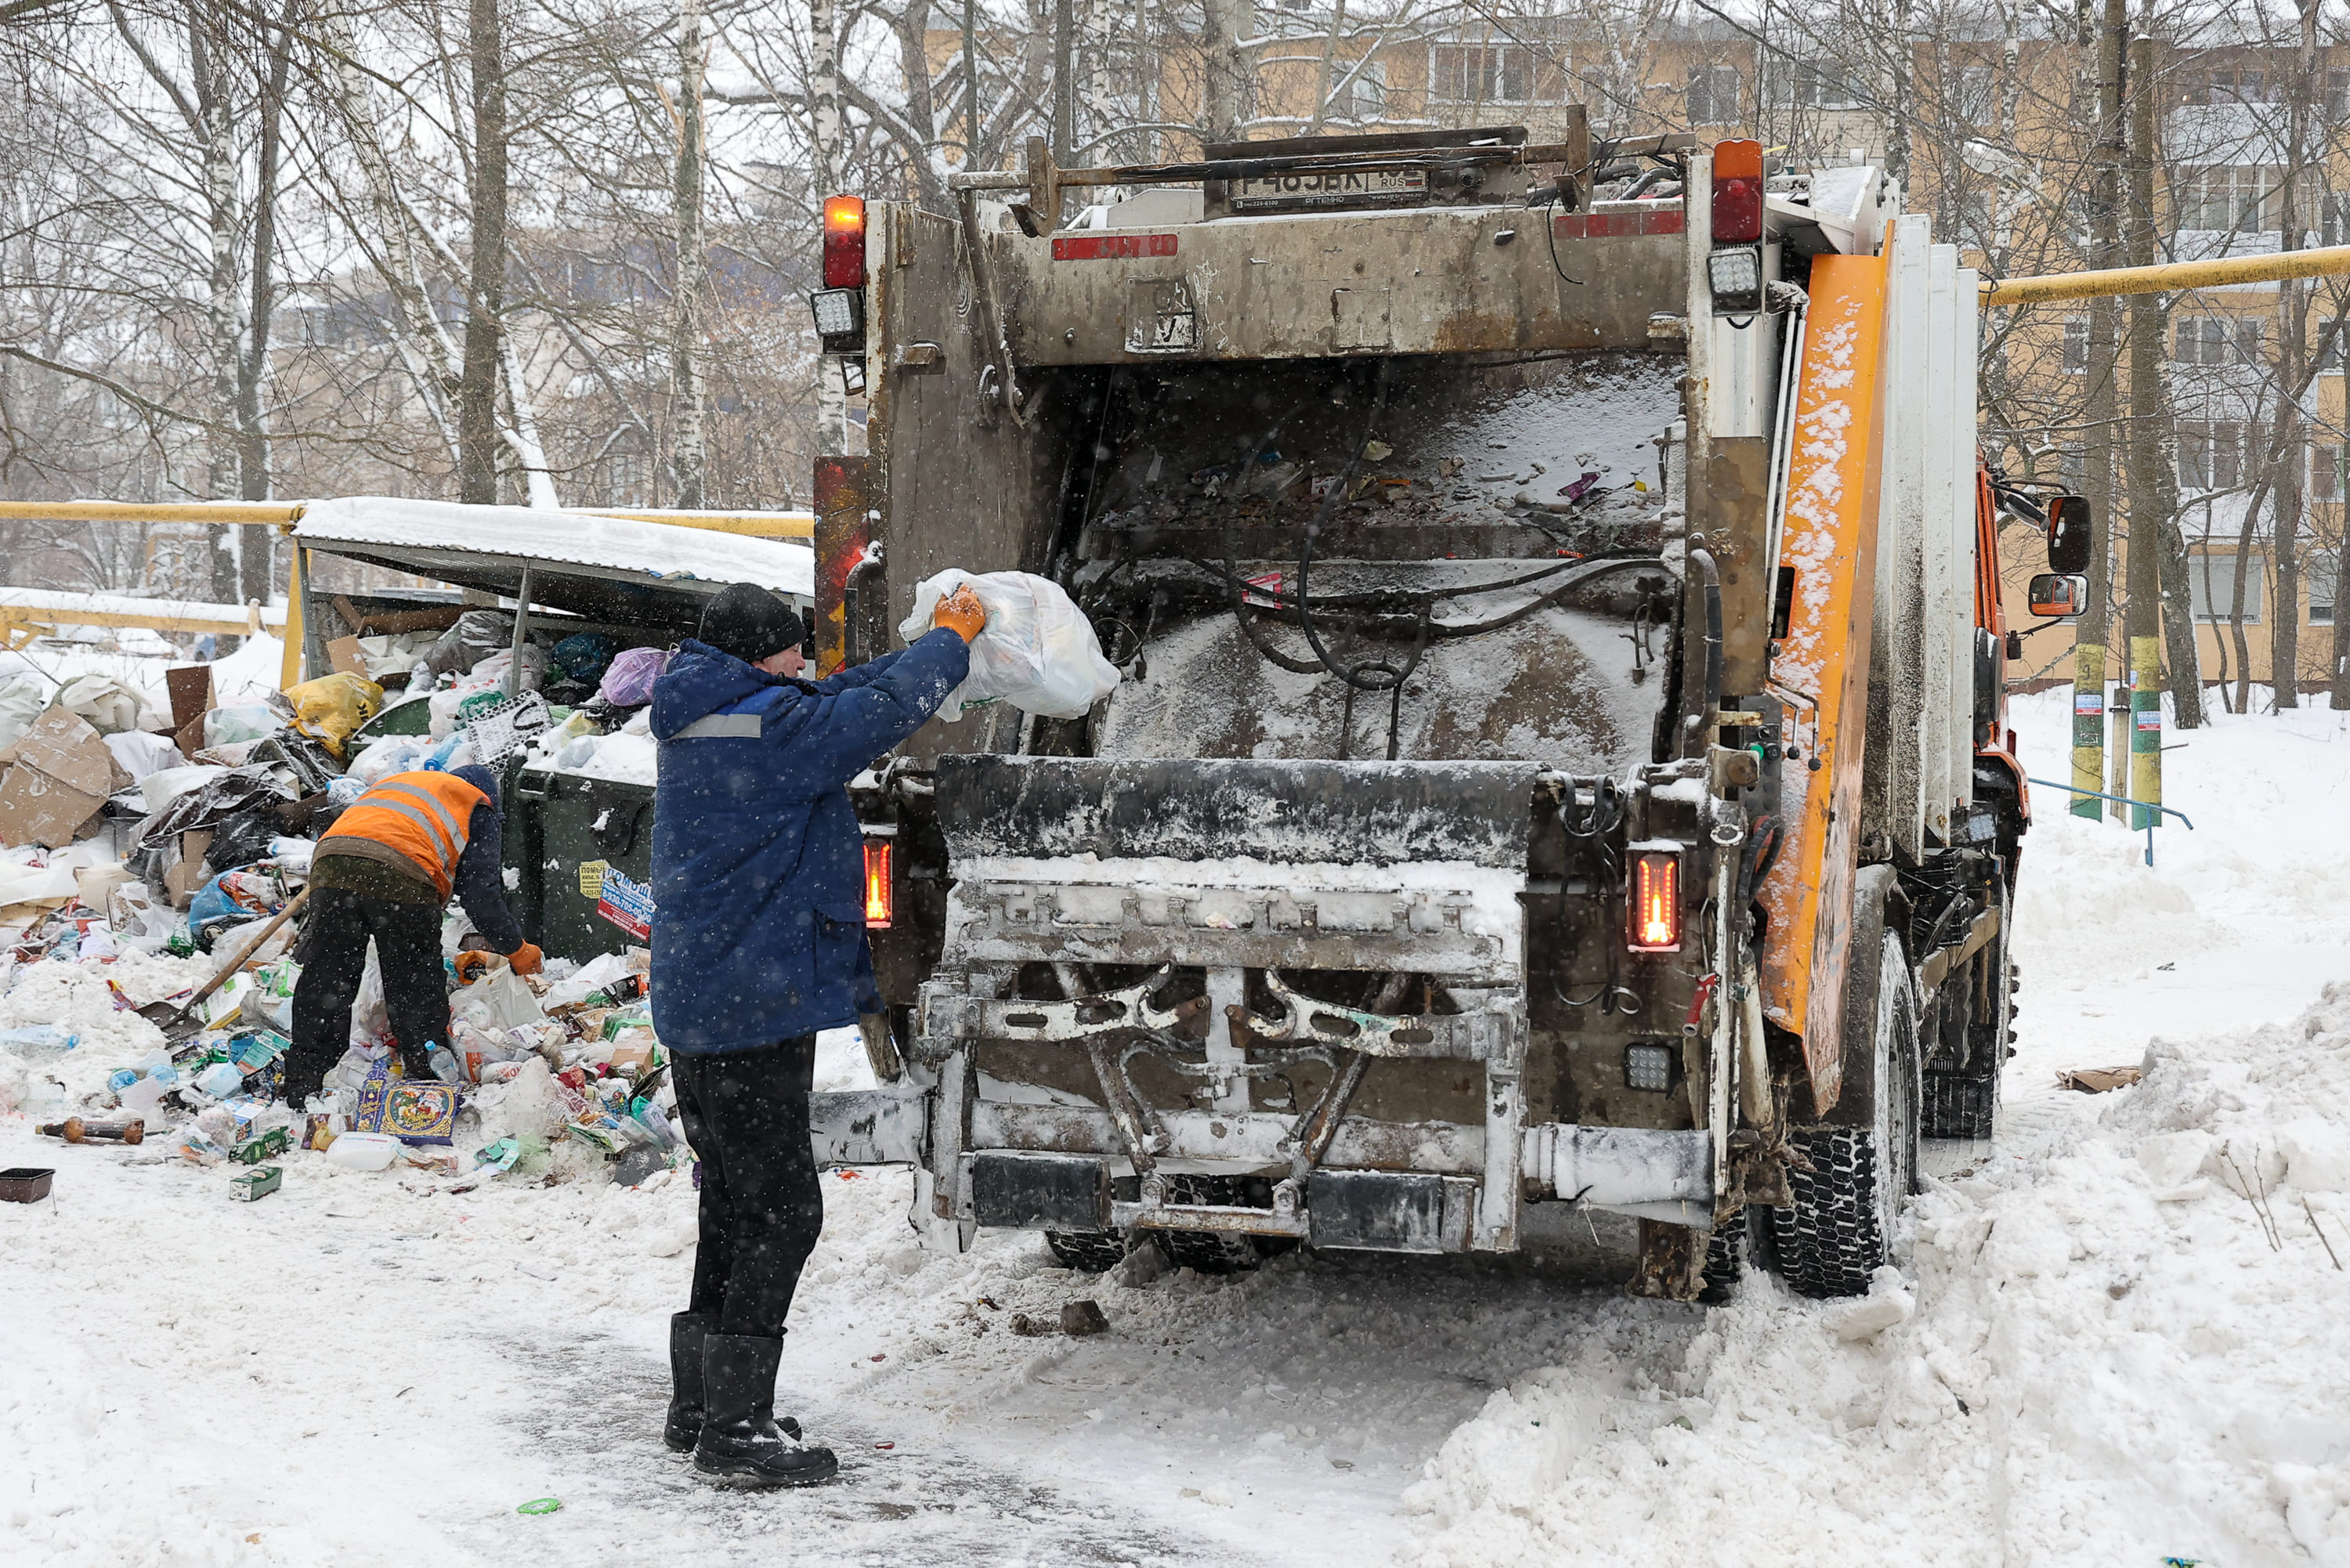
(109, 705)
(141, 754)
(23, 699)
(160, 788)
(389, 755)
(243, 721)
(1036, 652)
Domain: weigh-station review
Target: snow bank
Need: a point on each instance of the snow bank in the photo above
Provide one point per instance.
(2125, 1347)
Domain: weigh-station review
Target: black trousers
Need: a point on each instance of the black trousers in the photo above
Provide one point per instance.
(746, 1114)
(335, 937)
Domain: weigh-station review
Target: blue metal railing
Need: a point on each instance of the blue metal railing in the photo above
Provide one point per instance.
(2124, 800)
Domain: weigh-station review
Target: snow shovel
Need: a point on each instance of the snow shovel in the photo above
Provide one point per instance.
(180, 1023)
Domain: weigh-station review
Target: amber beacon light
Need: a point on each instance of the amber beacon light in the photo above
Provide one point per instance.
(1656, 903)
(879, 892)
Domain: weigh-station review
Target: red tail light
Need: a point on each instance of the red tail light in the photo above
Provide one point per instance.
(1656, 903)
(881, 891)
(844, 242)
(1737, 192)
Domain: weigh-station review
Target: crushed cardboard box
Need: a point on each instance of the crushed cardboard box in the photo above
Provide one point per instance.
(186, 875)
(58, 774)
(2098, 1080)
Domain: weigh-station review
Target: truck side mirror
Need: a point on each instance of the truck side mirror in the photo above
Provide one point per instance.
(2059, 595)
(2068, 534)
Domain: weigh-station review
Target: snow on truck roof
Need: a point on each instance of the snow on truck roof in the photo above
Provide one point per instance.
(437, 538)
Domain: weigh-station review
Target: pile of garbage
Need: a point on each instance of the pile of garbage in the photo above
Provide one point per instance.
(148, 961)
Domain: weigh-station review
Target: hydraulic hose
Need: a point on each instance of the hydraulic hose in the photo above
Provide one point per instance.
(1702, 560)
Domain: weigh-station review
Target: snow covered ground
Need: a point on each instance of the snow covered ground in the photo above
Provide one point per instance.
(2115, 1338)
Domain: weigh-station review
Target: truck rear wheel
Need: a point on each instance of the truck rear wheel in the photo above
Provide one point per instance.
(1841, 1226)
(1087, 1252)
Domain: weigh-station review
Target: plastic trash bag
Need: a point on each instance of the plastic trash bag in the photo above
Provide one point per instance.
(231, 898)
(243, 721)
(1036, 651)
(477, 634)
(109, 705)
(629, 680)
(582, 657)
(141, 754)
(387, 755)
(328, 708)
(23, 699)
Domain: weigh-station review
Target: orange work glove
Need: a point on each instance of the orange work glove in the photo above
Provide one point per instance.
(526, 960)
(960, 613)
(469, 966)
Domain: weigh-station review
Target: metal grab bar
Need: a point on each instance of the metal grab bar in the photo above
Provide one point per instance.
(2124, 800)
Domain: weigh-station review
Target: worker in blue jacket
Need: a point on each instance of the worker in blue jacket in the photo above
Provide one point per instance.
(758, 942)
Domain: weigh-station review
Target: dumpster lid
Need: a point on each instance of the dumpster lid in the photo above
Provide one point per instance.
(605, 568)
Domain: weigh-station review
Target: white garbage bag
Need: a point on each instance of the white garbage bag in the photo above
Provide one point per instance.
(23, 699)
(109, 705)
(1036, 651)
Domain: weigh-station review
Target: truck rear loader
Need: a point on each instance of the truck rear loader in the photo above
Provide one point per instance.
(1562, 756)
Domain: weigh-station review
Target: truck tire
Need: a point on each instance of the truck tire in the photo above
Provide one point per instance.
(1963, 1103)
(1087, 1252)
(1727, 1247)
(1841, 1226)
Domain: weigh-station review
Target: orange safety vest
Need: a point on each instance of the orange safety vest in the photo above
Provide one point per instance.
(422, 815)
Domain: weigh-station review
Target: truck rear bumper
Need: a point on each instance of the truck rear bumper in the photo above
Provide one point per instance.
(1410, 1186)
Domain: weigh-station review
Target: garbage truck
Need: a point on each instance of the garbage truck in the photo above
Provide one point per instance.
(1560, 759)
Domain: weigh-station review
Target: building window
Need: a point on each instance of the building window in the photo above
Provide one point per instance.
(2234, 84)
(2076, 346)
(2321, 571)
(2330, 347)
(1820, 85)
(1713, 95)
(2211, 582)
(2326, 473)
(1490, 73)
(2233, 198)
(2337, 96)
(2073, 464)
(2220, 340)
(1971, 94)
(1367, 98)
(2211, 454)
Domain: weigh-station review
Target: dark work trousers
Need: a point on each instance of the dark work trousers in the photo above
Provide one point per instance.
(334, 958)
(746, 1114)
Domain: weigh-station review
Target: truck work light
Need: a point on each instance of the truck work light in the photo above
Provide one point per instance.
(880, 892)
(1736, 276)
(1656, 903)
(836, 311)
(1649, 1066)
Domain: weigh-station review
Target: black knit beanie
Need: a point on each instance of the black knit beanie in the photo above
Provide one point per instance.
(751, 623)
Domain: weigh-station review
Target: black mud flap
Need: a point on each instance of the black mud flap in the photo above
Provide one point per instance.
(1016, 1190)
(1390, 1210)
(1054, 807)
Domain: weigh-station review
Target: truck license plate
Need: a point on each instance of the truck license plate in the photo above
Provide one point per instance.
(1326, 189)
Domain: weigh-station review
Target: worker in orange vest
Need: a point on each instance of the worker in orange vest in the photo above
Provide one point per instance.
(383, 872)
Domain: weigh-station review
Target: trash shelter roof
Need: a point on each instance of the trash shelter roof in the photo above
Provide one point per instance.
(605, 568)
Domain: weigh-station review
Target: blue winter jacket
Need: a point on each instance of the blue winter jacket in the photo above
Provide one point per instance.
(758, 864)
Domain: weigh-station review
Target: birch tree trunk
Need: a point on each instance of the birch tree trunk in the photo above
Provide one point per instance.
(208, 73)
(1322, 73)
(1224, 105)
(688, 458)
(823, 105)
(477, 396)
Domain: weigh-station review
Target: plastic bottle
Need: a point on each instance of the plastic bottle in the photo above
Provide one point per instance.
(38, 1043)
(444, 1064)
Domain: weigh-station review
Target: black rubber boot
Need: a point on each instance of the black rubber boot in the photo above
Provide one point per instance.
(741, 1443)
(683, 1429)
(686, 1332)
